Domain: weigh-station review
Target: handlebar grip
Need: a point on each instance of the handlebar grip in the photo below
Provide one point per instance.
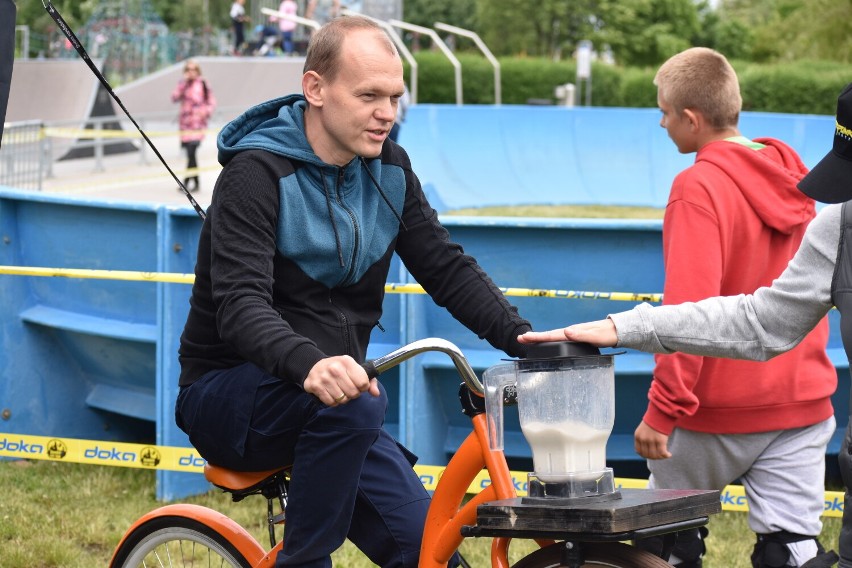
(370, 368)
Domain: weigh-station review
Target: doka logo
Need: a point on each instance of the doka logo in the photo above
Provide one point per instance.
(150, 457)
(56, 449)
(191, 460)
(109, 454)
(20, 447)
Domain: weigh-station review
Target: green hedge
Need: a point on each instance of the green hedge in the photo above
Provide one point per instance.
(807, 87)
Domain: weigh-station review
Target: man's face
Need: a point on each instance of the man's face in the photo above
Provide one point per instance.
(677, 125)
(358, 106)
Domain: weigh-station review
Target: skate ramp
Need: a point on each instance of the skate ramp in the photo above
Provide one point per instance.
(53, 91)
(475, 156)
(237, 83)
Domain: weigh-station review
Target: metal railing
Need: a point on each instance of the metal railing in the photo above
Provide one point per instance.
(30, 148)
(436, 39)
(22, 155)
(485, 51)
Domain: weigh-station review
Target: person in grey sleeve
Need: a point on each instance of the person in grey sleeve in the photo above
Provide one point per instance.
(773, 319)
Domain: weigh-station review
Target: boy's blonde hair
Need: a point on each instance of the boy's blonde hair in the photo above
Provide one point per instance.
(701, 79)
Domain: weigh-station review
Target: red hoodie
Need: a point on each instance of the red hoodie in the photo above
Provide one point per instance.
(733, 221)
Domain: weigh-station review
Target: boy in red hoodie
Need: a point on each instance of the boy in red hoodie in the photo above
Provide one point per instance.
(733, 221)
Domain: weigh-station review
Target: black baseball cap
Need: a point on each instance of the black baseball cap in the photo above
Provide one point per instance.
(831, 179)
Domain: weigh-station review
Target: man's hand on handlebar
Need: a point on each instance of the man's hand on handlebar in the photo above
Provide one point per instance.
(600, 333)
(337, 380)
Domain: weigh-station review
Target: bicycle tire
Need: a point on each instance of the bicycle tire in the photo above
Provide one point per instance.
(598, 554)
(176, 542)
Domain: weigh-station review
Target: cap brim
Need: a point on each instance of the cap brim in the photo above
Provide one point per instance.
(830, 181)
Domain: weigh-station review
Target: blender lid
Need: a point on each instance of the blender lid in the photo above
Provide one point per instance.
(560, 350)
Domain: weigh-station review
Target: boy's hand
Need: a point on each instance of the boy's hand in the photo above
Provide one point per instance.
(600, 333)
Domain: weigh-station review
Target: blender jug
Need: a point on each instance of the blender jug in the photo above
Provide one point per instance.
(566, 407)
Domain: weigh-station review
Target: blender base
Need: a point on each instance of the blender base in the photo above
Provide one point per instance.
(570, 501)
(572, 488)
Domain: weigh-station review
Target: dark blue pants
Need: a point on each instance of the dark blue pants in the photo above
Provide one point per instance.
(350, 479)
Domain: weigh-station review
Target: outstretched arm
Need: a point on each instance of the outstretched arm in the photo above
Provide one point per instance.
(758, 327)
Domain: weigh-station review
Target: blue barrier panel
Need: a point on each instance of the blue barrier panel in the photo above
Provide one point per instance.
(79, 356)
(473, 156)
(178, 248)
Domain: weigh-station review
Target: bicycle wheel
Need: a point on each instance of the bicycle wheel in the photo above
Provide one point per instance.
(176, 542)
(611, 555)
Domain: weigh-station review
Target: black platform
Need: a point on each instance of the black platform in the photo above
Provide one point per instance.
(639, 513)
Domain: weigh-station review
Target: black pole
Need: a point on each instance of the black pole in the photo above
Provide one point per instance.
(7, 55)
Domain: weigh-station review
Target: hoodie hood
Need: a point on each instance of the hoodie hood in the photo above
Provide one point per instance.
(785, 208)
(363, 217)
(276, 126)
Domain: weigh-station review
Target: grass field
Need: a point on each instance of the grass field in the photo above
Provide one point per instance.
(73, 515)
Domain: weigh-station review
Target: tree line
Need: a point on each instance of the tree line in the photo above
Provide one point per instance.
(635, 32)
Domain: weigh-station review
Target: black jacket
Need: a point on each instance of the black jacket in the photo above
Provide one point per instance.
(294, 254)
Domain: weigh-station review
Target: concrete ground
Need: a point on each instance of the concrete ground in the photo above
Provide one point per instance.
(137, 176)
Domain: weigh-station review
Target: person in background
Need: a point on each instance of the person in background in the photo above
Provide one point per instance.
(311, 206)
(767, 324)
(238, 20)
(286, 26)
(322, 11)
(266, 40)
(197, 104)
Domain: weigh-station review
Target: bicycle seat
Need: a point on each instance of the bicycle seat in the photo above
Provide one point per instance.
(239, 481)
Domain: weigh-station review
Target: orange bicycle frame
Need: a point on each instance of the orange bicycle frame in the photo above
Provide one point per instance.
(442, 534)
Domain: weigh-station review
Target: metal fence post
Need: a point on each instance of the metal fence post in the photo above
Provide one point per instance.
(99, 147)
(143, 147)
(47, 155)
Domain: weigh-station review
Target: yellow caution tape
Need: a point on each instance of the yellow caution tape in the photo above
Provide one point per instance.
(99, 274)
(390, 288)
(58, 132)
(172, 458)
(542, 293)
(14, 136)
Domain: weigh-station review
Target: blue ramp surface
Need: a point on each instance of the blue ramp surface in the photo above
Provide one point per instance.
(475, 156)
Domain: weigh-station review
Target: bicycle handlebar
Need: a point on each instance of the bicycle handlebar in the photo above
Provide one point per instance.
(394, 358)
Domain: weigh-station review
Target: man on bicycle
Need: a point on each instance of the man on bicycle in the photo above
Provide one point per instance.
(311, 205)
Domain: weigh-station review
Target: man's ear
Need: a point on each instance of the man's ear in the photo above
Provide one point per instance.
(312, 88)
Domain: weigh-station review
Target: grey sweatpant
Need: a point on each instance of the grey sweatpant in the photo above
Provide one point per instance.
(783, 472)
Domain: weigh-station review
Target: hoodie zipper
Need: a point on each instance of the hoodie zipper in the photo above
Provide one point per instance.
(356, 240)
(344, 320)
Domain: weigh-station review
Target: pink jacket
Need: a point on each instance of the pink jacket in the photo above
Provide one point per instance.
(196, 105)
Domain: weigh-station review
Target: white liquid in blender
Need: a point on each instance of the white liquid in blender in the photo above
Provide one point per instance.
(565, 447)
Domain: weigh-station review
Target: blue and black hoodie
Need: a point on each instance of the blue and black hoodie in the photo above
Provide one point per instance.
(294, 254)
